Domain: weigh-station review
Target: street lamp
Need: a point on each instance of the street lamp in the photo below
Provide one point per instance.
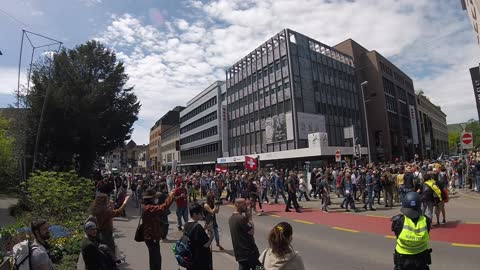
(366, 120)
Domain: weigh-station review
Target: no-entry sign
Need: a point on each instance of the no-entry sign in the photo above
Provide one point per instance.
(467, 140)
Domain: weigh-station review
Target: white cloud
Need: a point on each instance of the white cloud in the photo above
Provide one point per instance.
(171, 63)
(8, 80)
(91, 3)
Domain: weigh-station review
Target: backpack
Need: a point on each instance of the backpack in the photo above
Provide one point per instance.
(182, 249)
(21, 254)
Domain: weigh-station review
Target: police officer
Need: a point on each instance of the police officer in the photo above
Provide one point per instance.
(412, 230)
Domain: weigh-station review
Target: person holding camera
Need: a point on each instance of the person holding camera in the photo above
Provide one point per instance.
(242, 231)
(211, 210)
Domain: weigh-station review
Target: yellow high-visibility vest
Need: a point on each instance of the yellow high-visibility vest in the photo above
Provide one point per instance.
(414, 238)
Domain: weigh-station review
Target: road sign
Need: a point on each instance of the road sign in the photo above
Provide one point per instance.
(338, 156)
(467, 140)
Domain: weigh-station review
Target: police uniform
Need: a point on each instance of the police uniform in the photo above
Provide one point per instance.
(412, 229)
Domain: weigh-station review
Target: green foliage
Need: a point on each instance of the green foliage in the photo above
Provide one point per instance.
(474, 126)
(453, 140)
(6, 154)
(454, 136)
(62, 196)
(88, 109)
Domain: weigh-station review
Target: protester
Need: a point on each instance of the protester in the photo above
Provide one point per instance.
(182, 203)
(152, 225)
(103, 211)
(162, 197)
(93, 256)
(280, 254)
(39, 256)
(242, 231)
(211, 219)
(303, 189)
(200, 240)
(292, 194)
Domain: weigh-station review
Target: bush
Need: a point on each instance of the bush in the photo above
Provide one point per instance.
(63, 196)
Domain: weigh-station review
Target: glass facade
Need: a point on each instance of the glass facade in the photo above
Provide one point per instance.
(285, 85)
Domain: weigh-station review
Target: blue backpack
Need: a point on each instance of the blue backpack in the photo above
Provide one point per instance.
(183, 249)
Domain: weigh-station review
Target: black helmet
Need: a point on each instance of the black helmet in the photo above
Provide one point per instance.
(411, 205)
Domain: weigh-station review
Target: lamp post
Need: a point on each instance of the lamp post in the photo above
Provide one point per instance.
(366, 120)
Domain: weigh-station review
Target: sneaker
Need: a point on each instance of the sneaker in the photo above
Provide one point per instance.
(373, 209)
(180, 228)
(288, 210)
(444, 221)
(220, 248)
(325, 210)
(259, 214)
(298, 210)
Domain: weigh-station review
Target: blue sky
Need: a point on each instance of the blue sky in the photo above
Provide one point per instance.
(174, 49)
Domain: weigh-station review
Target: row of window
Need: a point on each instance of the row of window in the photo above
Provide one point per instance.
(200, 135)
(260, 78)
(325, 50)
(261, 114)
(267, 50)
(200, 151)
(207, 104)
(200, 122)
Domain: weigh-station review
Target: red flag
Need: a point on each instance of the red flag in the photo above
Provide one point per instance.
(221, 168)
(251, 163)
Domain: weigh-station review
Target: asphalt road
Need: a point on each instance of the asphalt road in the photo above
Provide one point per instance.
(320, 246)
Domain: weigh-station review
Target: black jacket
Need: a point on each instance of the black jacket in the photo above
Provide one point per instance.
(94, 258)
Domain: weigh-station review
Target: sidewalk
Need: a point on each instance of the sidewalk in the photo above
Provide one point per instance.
(137, 253)
(5, 203)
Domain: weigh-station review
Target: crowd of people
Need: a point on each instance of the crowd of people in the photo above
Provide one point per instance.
(198, 197)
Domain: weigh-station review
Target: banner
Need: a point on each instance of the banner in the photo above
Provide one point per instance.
(475, 74)
(275, 129)
(310, 123)
(413, 122)
(221, 168)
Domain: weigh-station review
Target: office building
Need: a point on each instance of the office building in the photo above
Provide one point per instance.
(433, 128)
(287, 88)
(170, 147)
(390, 104)
(201, 128)
(170, 119)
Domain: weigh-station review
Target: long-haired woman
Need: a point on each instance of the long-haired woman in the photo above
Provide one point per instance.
(103, 211)
(280, 254)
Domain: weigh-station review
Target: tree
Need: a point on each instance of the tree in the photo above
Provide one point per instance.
(6, 153)
(453, 140)
(88, 111)
(474, 127)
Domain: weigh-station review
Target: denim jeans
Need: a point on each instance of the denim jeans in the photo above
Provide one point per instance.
(154, 256)
(371, 196)
(182, 212)
(215, 234)
(460, 181)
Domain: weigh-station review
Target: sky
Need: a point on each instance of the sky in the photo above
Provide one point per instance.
(173, 49)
